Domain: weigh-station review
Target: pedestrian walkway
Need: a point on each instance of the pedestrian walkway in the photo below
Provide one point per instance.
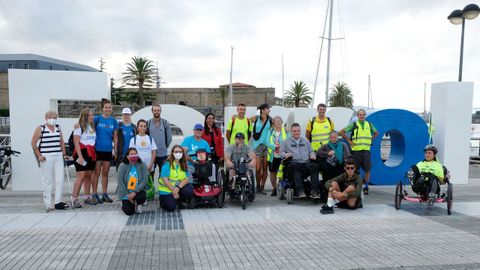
(269, 234)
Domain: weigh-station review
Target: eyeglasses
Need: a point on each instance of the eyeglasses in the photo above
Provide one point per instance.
(349, 168)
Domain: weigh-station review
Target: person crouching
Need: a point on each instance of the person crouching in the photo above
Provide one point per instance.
(132, 177)
(346, 189)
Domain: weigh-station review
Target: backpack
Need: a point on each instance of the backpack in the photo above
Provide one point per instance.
(135, 139)
(249, 134)
(164, 129)
(313, 121)
(71, 144)
(256, 135)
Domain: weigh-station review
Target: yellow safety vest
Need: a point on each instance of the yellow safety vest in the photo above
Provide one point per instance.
(176, 175)
(320, 133)
(362, 137)
(272, 141)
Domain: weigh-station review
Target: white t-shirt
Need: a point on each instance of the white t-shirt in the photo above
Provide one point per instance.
(88, 137)
(144, 148)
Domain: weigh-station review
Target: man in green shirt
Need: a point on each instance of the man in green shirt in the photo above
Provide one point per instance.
(345, 189)
(362, 135)
(238, 124)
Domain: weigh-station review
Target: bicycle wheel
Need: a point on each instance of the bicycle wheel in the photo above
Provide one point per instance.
(6, 174)
(449, 198)
(398, 195)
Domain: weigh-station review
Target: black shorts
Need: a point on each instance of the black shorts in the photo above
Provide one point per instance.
(362, 160)
(104, 156)
(90, 166)
(274, 164)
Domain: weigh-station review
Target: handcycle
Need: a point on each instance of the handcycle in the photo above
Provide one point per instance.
(6, 165)
(420, 184)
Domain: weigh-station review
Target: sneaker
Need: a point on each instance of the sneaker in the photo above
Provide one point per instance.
(302, 195)
(315, 196)
(50, 209)
(96, 198)
(61, 206)
(326, 209)
(274, 192)
(91, 201)
(365, 190)
(138, 208)
(106, 198)
(145, 203)
(76, 204)
(262, 191)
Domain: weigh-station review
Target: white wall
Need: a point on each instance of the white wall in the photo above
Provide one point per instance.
(31, 94)
(451, 107)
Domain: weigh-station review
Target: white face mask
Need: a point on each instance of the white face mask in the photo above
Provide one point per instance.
(178, 156)
(51, 121)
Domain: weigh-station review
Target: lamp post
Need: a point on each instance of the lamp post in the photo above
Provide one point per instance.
(458, 16)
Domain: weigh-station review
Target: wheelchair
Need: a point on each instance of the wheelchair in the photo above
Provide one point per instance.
(207, 186)
(243, 185)
(286, 189)
(421, 184)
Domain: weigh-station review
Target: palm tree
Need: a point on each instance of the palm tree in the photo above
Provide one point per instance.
(298, 94)
(140, 73)
(341, 96)
(222, 92)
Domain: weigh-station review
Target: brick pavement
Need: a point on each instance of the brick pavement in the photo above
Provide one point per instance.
(269, 234)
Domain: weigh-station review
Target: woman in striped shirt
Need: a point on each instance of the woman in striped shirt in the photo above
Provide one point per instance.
(49, 148)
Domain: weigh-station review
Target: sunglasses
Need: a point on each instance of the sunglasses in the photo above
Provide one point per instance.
(349, 168)
(199, 129)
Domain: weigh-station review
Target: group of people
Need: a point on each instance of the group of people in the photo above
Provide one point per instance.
(262, 140)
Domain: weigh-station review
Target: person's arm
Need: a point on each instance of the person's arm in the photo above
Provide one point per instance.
(228, 160)
(219, 144)
(346, 151)
(169, 133)
(344, 136)
(375, 132)
(228, 129)
(271, 144)
(76, 143)
(308, 132)
(311, 154)
(115, 143)
(35, 137)
(121, 180)
(283, 150)
(62, 145)
(143, 181)
(154, 154)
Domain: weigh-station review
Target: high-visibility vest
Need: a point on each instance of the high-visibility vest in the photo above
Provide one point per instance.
(271, 140)
(176, 175)
(320, 133)
(361, 137)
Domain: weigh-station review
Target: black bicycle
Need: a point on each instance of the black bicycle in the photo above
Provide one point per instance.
(6, 165)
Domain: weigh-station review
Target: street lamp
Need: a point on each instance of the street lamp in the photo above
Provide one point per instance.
(458, 16)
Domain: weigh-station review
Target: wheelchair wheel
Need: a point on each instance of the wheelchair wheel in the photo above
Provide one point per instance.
(398, 194)
(243, 198)
(289, 195)
(223, 184)
(449, 198)
(280, 191)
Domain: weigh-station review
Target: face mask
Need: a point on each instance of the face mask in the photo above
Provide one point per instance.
(178, 156)
(51, 121)
(133, 158)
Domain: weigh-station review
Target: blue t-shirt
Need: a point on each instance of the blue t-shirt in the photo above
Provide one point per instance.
(104, 128)
(263, 137)
(165, 172)
(193, 145)
(128, 133)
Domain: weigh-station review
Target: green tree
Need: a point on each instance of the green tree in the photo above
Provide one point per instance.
(140, 73)
(341, 96)
(222, 92)
(298, 94)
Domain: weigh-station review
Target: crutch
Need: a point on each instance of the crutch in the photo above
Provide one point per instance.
(68, 179)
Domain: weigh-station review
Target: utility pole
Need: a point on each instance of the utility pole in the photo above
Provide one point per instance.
(101, 64)
(283, 83)
(230, 90)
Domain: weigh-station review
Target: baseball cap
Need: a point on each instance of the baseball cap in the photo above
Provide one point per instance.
(198, 126)
(126, 111)
(239, 135)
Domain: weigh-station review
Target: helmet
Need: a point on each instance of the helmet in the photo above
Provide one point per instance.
(431, 147)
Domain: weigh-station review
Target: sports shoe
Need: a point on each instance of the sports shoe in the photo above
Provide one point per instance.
(326, 209)
(365, 190)
(274, 192)
(50, 209)
(96, 198)
(138, 208)
(76, 204)
(315, 196)
(91, 201)
(61, 206)
(262, 191)
(106, 198)
(302, 195)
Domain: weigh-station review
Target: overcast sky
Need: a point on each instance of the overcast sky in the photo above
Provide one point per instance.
(402, 44)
